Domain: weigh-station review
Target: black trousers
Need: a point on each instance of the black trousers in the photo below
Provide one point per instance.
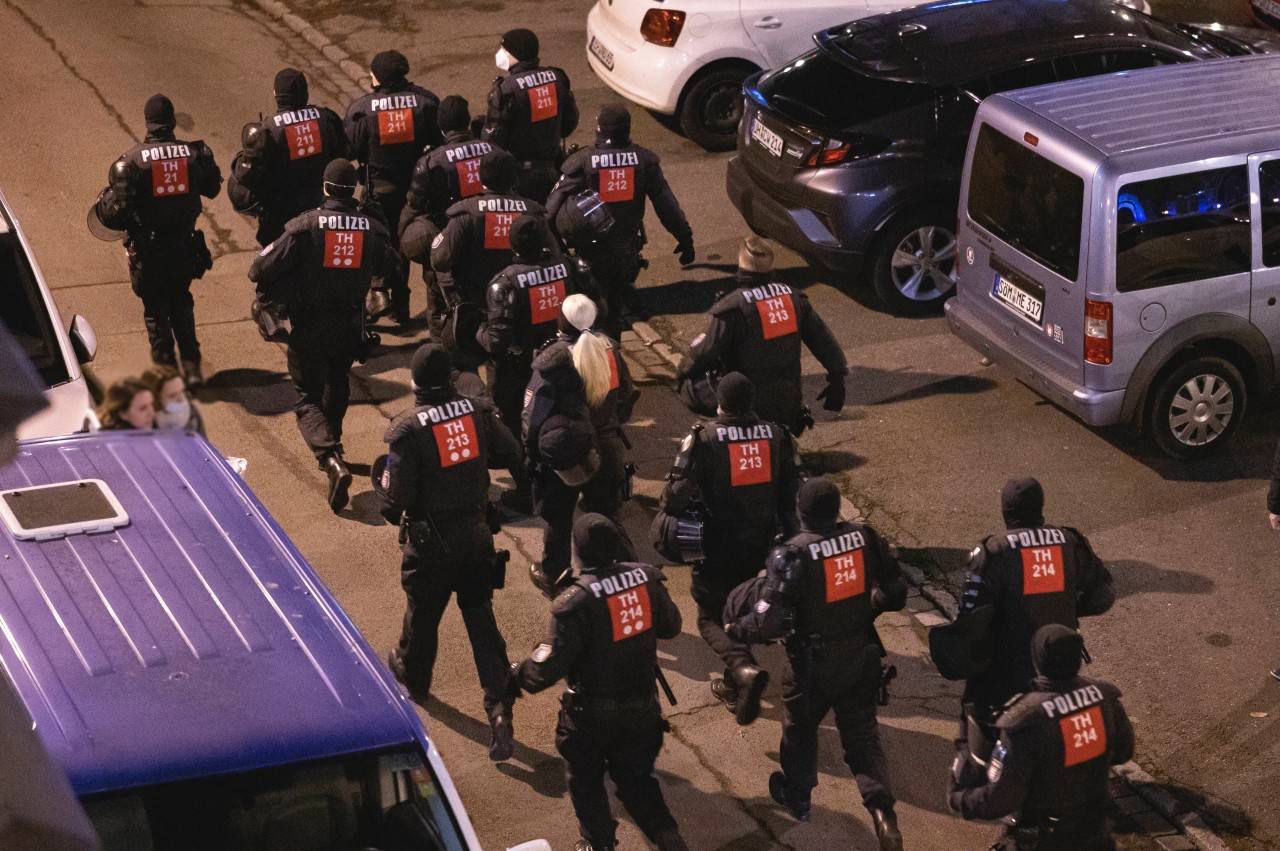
(454, 559)
(734, 555)
(623, 743)
(161, 274)
(321, 373)
(844, 676)
(392, 206)
(554, 502)
(615, 264)
(508, 377)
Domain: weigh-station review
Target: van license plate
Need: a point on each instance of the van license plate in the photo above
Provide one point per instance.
(1018, 299)
(767, 139)
(604, 54)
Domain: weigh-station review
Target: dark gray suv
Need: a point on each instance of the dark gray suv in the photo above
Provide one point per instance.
(851, 154)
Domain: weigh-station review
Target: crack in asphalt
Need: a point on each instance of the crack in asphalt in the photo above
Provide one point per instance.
(40, 33)
(722, 780)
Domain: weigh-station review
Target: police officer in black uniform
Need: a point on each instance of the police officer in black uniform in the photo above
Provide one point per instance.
(1033, 574)
(436, 486)
(155, 196)
(475, 244)
(1050, 768)
(443, 176)
(580, 375)
(624, 175)
(604, 642)
(279, 173)
(823, 590)
(530, 111)
(320, 270)
(744, 472)
(386, 131)
(757, 329)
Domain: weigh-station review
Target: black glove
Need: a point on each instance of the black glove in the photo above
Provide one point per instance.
(685, 249)
(833, 393)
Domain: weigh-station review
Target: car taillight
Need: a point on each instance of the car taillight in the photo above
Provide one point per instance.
(662, 26)
(835, 151)
(1097, 331)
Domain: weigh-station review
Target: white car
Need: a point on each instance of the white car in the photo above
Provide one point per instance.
(29, 312)
(689, 57)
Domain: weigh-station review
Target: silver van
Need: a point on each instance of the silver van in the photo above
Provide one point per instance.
(1119, 244)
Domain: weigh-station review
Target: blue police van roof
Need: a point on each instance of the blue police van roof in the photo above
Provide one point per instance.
(193, 641)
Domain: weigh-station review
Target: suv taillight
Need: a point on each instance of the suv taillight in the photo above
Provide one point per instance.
(1097, 331)
(833, 151)
(662, 26)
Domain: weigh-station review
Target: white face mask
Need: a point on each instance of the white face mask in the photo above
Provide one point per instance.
(503, 59)
(174, 415)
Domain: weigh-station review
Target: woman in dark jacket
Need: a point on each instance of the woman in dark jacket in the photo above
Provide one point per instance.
(579, 377)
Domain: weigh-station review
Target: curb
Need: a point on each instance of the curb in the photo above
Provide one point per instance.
(321, 42)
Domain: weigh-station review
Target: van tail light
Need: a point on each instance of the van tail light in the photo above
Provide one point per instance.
(662, 26)
(833, 151)
(1097, 331)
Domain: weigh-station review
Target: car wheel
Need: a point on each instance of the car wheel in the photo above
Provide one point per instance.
(1197, 407)
(712, 108)
(913, 264)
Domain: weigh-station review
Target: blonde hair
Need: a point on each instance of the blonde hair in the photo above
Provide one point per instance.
(590, 351)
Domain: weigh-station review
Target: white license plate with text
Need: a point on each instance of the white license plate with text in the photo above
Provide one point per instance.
(766, 138)
(604, 54)
(1018, 299)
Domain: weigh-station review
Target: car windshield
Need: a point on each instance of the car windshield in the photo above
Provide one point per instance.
(818, 91)
(1029, 202)
(23, 309)
(386, 801)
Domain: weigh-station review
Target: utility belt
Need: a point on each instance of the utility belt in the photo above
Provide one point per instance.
(421, 531)
(1036, 832)
(191, 242)
(573, 700)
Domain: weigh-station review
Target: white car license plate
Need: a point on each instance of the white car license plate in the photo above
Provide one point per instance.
(767, 139)
(604, 54)
(1018, 299)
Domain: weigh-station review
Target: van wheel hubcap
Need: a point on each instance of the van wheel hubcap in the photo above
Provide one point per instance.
(924, 263)
(1201, 410)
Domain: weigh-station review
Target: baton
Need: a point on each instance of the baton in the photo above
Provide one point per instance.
(666, 686)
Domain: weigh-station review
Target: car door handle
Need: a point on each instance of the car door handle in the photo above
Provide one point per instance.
(767, 23)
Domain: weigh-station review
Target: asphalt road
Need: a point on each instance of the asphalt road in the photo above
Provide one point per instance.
(922, 449)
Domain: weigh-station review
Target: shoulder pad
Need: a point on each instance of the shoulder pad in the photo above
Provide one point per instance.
(1109, 690)
(552, 357)
(481, 403)
(402, 426)
(1023, 710)
(570, 600)
(726, 304)
(459, 208)
(784, 559)
(298, 224)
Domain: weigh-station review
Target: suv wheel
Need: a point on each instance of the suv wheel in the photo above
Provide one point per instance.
(712, 107)
(1197, 407)
(913, 264)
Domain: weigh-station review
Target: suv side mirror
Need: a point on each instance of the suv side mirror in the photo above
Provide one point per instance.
(83, 340)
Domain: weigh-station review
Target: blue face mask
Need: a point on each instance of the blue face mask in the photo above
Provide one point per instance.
(174, 415)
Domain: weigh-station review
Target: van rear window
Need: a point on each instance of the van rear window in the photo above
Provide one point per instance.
(1027, 201)
(1186, 227)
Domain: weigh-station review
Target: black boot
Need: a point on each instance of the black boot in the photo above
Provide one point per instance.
(750, 682)
(584, 845)
(502, 745)
(724, 691)
(191, 375)
(550, 586)
(887, 832)
(670, 840)
(339, 481)
(396, 664)
(799, 809)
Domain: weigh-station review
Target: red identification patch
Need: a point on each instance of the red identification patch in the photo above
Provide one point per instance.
(630, 612)
(544, 302)
(777, 316)
(749, 463)
(343, 249)
(456, 441)
(395, 126)
(303, 139)
(169, 177)
(1042, 570)
(617, 184)
(469, 177)
(497, 230)
(613, 369)
(1084, 736)
(543, 103)
(845, 576)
